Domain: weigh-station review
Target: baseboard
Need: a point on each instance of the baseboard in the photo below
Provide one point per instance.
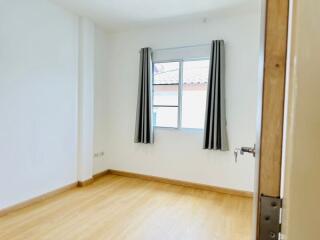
(45, 196)
(86, 182)
(101, 174)
(181, 183)
(94, 178)
(37, 199)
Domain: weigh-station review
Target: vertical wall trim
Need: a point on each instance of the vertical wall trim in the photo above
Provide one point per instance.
(86, 99)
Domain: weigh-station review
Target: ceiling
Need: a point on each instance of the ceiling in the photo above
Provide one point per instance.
(115, 15)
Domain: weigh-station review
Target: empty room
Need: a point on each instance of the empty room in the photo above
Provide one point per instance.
(159, 120)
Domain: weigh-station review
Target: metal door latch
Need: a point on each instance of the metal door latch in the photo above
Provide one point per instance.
(243, 150)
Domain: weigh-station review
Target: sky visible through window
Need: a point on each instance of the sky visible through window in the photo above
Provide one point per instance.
(180, 96)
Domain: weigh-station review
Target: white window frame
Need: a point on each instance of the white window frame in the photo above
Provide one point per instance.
(180, 89)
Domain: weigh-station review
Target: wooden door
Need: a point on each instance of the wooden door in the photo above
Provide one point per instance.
(269, 149)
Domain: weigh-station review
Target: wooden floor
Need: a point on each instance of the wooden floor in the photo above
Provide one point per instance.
(116, 207)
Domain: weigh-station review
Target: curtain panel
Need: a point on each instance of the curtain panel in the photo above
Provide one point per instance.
(144, 123)
(215, 129)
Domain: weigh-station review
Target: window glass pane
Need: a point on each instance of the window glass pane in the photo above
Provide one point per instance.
(166, 73)
(165, 116)
(195, 81)
(166, 95)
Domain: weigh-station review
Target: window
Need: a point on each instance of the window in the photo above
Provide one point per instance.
(180, 89)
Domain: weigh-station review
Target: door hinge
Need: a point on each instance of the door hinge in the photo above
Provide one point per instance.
(269, 222)
(281, 236)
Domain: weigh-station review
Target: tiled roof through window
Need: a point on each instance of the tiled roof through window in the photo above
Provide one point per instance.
(191, 76)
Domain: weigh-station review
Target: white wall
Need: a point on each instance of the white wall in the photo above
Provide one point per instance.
(302, 156)
(178, 154)
(102, 64)
(38, 99)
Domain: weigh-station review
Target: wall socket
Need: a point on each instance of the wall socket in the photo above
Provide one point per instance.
(98, 154)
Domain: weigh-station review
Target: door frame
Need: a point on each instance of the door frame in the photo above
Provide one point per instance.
(271, 99)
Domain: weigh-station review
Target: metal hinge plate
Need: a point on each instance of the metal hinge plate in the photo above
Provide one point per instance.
(270, 226)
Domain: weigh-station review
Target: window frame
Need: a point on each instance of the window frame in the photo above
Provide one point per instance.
(180, 89)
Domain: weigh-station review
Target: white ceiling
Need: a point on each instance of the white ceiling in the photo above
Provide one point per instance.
(114, 15)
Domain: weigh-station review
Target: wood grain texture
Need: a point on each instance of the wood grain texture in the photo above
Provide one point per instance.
(116, 207)
(273, 97)
(182, 183)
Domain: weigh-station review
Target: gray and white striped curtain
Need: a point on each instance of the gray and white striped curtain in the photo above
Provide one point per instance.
(144, 123)
(215, 130)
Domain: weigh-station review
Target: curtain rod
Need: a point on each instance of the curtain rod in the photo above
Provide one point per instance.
(174, 48)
